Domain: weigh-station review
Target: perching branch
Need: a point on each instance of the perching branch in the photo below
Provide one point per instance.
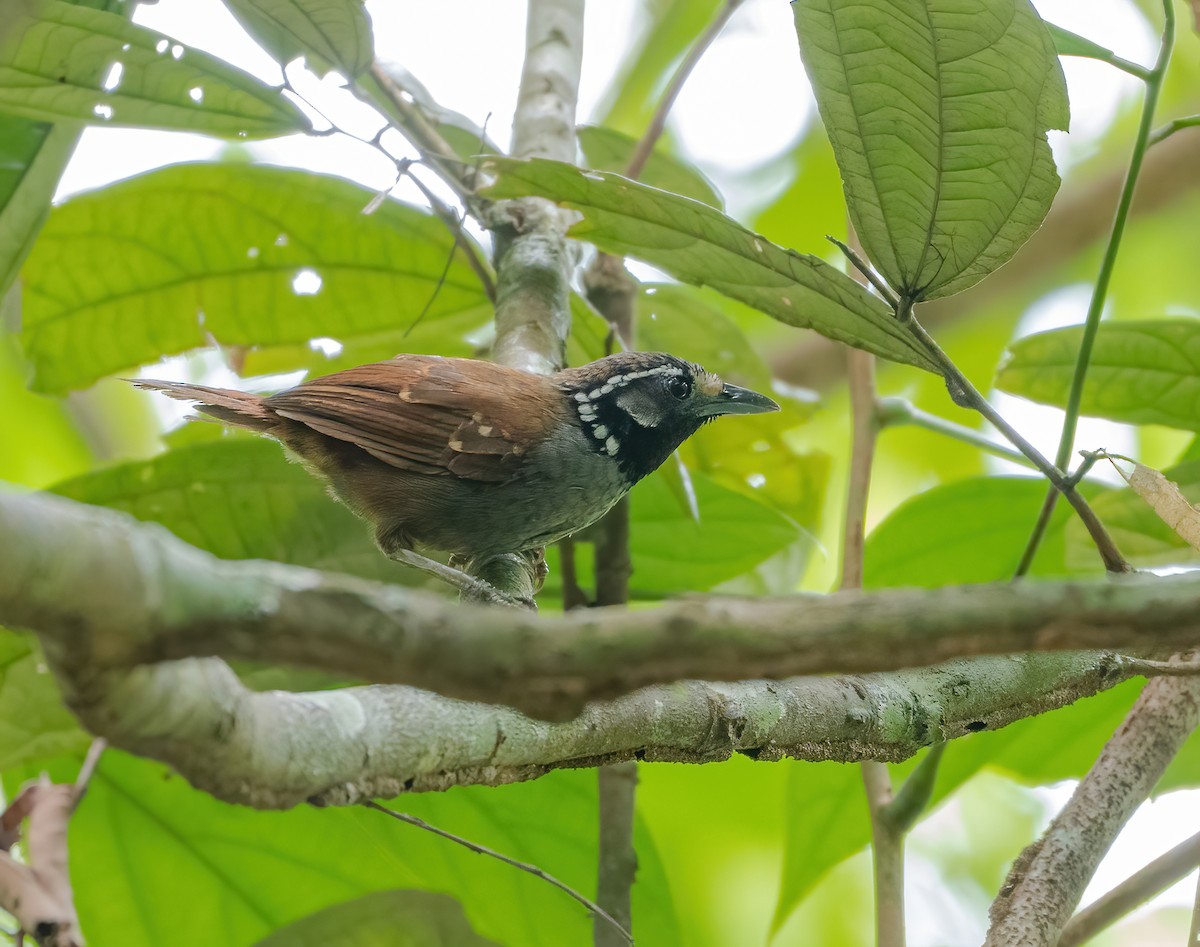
(113, 600)
(117, 593)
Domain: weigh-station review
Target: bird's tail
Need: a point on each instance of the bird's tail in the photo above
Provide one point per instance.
(238, 408)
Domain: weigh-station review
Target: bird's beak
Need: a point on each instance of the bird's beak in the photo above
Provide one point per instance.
(734, 400)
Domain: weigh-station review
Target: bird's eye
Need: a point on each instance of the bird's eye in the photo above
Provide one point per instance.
(679, 386)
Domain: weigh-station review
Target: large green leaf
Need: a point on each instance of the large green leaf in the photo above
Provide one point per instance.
(170, 260)
(49, 67)
(968, 531)
(383, 919)
(1145, 372)
(329, 33)
(674, 554)
(34, 724)
(239, 498)
(607, 149)
(938, 112)
(700, 245)
(148, 850)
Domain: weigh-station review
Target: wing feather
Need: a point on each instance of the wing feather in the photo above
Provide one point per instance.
(430, 415)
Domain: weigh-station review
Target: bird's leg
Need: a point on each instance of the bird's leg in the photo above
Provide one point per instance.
(509, 570)
(397, 546)
(471, 588)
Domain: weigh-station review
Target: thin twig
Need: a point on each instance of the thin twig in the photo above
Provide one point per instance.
(913, 797)
(659, 120)
(865, 271)
(434, 150)
(469, 247)
(448, 216)
(84, 777)
(968, 395)
(534, 870)
(1173, 126)
(887, 855)
(1135, 890)
(1108, 264)
(1194, 930)
(894, 412)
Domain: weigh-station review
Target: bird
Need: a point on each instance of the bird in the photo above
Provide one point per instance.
(475, 458)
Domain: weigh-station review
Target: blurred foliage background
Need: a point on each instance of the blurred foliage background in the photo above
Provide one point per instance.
(211, 265)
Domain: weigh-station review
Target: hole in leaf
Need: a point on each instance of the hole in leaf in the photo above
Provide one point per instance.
(177, 51)
(196, 94)
(113, 79)
(756, 480)
(162, 45)
(330, 348)
(306, 283)
(103, 111)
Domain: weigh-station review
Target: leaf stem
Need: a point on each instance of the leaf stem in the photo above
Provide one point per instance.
(654, 130)
(1169, 129)
(894, 412)
(966, 394)
(1091, 326)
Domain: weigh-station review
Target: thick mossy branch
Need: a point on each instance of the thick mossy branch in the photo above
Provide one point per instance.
(110, 596)
(115, 593)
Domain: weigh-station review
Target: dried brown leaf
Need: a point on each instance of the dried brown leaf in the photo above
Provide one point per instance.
(1165, 499)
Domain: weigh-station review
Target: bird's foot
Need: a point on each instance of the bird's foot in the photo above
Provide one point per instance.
(471, 589)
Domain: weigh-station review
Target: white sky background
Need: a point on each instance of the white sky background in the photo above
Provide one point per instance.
(745, 103)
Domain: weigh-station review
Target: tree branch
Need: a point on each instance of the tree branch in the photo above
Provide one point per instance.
(1134, 891)
(113, 593)
(1049, 877)
(533, 261)
(279, 749)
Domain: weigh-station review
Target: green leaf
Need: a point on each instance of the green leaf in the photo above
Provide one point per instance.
(49, 68)
(938, 114)
(239, 498)
(1144, 372)
(383, 919)
(698, 244)
(958, 533)
(826, 823)
(170, 260)
(32, 158)
(148, 850)
(607, 149)
(672, 553)
(328, 33)
(34, 724)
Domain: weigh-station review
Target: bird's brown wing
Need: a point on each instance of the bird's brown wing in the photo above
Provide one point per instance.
(439, 416)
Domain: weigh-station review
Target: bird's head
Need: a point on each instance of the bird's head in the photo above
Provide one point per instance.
(638, 407)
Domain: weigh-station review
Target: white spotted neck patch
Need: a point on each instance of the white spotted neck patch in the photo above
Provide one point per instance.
(602, 420)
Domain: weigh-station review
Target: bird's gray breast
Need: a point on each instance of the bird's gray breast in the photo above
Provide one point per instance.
(574, 485)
